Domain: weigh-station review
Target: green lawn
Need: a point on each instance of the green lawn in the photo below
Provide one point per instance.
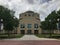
(57, 36)
(42, 35)
(5, 36)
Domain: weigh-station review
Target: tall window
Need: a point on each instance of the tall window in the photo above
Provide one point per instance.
(22, 26)
(29, 26)
(35, 25)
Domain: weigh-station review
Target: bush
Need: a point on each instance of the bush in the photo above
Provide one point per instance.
(5, 36)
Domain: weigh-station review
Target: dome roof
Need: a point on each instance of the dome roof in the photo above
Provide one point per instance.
(29, 12)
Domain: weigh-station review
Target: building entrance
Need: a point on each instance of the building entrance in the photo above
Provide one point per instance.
(22, 31)
(29, 32)
(35, 31)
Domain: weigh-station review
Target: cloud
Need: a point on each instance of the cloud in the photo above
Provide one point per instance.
(43, 7)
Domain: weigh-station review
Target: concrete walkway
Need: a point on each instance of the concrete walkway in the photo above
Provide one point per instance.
(31, 37)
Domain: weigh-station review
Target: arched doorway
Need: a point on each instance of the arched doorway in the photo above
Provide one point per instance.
(35, 31)
(22, 31)
(29, 32)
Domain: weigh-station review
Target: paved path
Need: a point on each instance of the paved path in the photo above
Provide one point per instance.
(30, 40)
(31, 37)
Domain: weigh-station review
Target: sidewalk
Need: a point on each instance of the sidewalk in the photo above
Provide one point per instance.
(30, 37)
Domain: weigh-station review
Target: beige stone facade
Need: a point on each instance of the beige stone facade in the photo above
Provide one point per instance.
(29, 23)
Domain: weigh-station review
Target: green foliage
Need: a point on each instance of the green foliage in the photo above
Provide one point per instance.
(8, 18)
(56, 36)
(51, 25)
(44, 24)
(16, 22)
(5, 36)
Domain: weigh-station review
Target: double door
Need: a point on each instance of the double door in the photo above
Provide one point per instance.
(29, 31)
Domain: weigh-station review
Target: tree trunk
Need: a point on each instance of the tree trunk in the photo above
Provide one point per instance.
(51, 33)
(8, 34)
(16, 30)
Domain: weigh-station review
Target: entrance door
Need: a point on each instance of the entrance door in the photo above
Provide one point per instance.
(35, 31)
(29, 32)
(22, 31)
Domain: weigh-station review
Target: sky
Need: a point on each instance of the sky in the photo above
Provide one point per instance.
(43, 7)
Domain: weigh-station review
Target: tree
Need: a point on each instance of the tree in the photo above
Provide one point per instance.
(53, 17)
(58, 13)
(8, 19)
(44, 25)
(50, 21)
(16, 24)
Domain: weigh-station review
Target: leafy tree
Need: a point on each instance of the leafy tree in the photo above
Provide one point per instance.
(58, 13)
(16, 24)
(44, 25)
(8, 19)
(53, 17)
(50, 21)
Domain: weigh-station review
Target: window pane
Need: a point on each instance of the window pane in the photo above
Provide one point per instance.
(29, 26)
(35, 25)
(22, 26)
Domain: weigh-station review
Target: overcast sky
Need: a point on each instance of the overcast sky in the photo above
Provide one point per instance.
(43, 7)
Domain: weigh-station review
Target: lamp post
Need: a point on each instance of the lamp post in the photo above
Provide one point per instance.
(58, 25)
(1, 25)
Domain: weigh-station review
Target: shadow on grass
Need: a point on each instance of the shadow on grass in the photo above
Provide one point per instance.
(55, 36)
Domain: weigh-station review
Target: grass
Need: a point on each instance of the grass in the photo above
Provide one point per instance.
(42, 35)
(18, 35)
(5, 36)
(56, 36)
